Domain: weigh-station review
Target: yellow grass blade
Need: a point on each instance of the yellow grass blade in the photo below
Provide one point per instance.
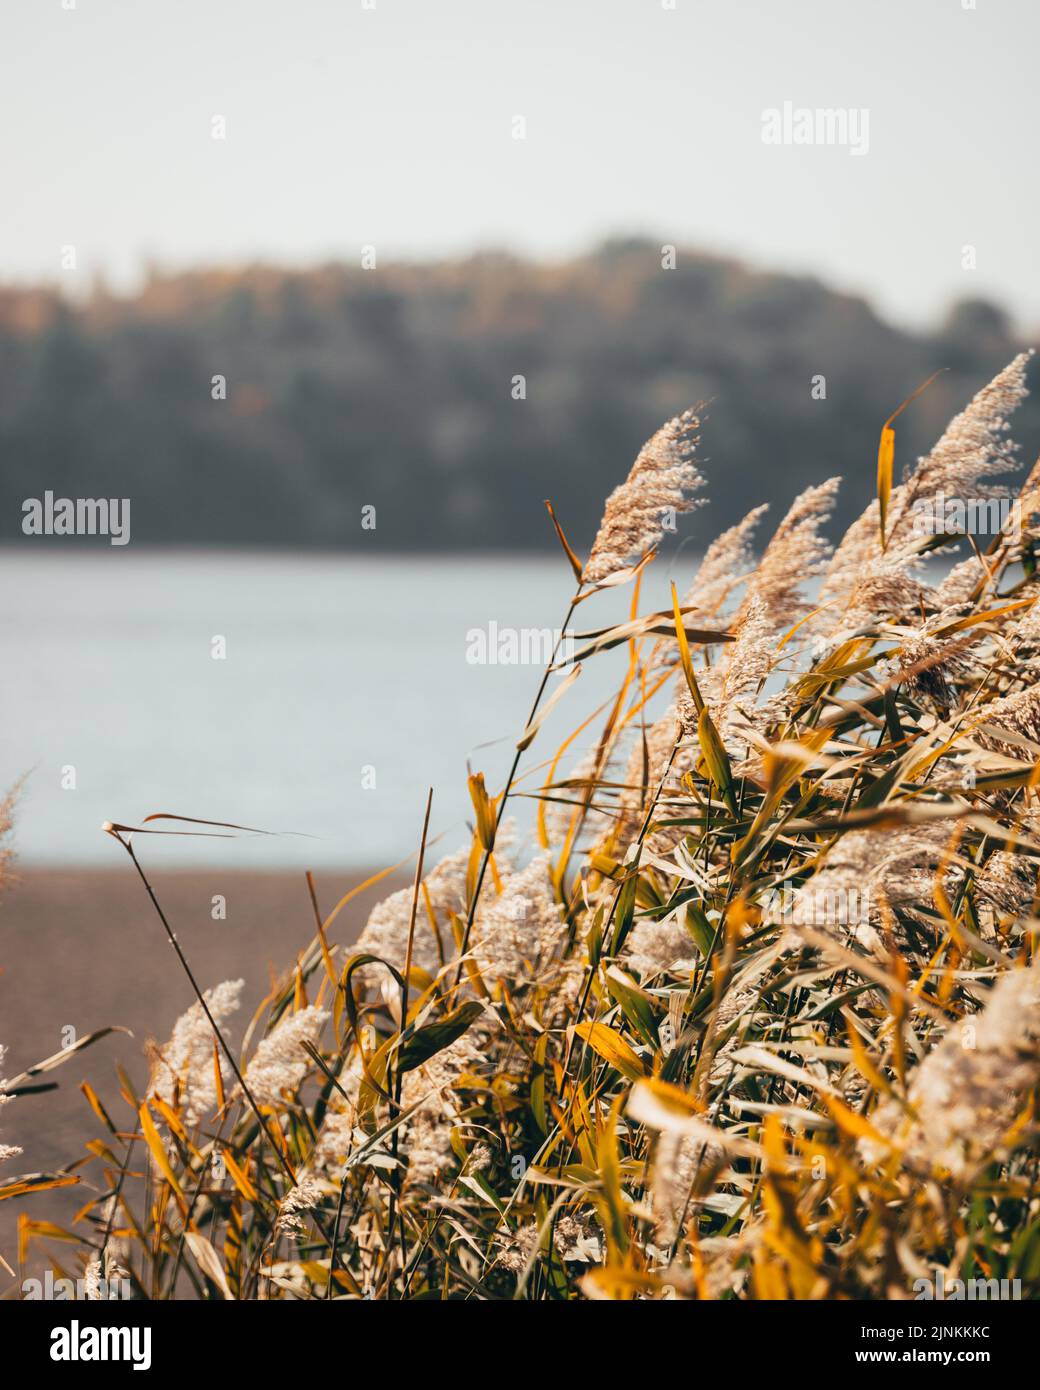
(528, 735)
(887, 453)
(613, 1048)
(575, 563)
(158, 1151)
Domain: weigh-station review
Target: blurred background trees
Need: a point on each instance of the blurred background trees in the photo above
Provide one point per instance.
(394, 387)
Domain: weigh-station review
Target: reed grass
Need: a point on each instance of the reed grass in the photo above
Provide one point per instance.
(759, 1017)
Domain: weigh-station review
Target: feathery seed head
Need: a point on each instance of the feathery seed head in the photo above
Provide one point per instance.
(185, 1066)
(636, 512)
(280, 1061)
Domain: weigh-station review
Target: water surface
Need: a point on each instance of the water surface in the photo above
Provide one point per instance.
(338, 672)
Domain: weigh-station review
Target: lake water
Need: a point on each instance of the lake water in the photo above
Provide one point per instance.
(333, 666)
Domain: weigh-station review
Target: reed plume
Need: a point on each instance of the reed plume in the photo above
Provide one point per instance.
(639, 509)
(968, 1091)
(184, 1069)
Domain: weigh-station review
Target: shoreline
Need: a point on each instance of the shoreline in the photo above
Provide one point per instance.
(82, 948)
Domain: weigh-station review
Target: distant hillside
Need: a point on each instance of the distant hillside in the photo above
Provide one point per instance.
(394, 388)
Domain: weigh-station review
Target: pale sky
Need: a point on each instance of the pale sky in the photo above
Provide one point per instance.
(392, 126)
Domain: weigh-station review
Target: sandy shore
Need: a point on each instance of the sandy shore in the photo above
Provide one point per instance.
(84, 948)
